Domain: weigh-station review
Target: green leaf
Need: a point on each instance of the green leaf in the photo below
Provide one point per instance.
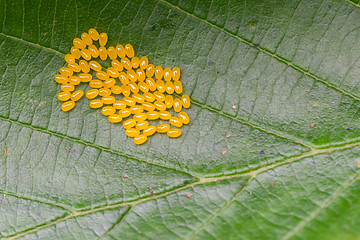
(271, 151)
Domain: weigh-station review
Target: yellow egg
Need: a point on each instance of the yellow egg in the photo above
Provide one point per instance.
(131, 75)
(176, 122)
(139, 117)
(108, 99)
(64, 96)
(132, 132)
(144, 62)
(150, 130)
(140, 75)
(126, 63)
(129, 123)
(96, 103)
(184, 117)
(112, 72)
(164, 115)
(129, 50)
(74, 66)
(86, 54)
(94, 51)
(169, 101)
(115, 118)
(140, 139)
(163, 128)
(120, 51)
(116, 89)
(159, 96)
(178, 87)
(84, 77)
(95, 66)
(61, 78)
(104, 92)
(138, 98)
(103, 38)
(169, 87)
(149, 97)
(151, 83)
(109, 82)
(112, 53)
(143, 86)
(150, 70)
(77, 95)
(108, 110)
(153, 115)
(185, 99)
(78, 43)
(117, 65)
(96, 83)
(159, 72)
(92, 93)
(118, 104)
(160, 106)
(103, 53)
(129, 101)
(67, 106)
(177, 105)
(69, 58)
(125, 90)
(148, 106)
(74, 80)
(174, 133)
(142, 125)
(94, 34)
(125, 112)
(160, 85)
(102, 75)
(167, 74)
(86, 39)
(67, 87)
(84, 66)
(135, 61)
(176, 73)
(75, 52)
(136, 109)
(66, 71)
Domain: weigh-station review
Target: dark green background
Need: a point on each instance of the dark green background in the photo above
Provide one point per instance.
(285, 65)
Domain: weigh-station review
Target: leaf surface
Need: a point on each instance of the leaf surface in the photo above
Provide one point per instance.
(271, 151)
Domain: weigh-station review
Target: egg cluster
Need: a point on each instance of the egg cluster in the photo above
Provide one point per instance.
(131, 89)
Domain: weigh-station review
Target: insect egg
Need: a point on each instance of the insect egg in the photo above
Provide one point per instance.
(79, 43)
(176, 73)
(84, 77)
(140, 139)
(113, 72)
(75, 67)
(143, 86)
(108, 83)
(69, 58)
(124, 78)
(136, 109)
(151, 83)
(138, 98)
(67, 106)
(164, 115)
(117, 65)
(129, 101)
(84, 66)
(103, 53)
(112, 53)
(162, 128)
(150, 71)
(75, 52)
(86, 38)
(129, 123)
(132, 132)
(94, 51)
(94, 34)
(174, 133)
(150, 130)
(148, 106)
(132, 75)
(125, 112)
(149, 97)
(142, 125)
(92, 93)
(139, 117)
(120, 51)
(64, 96)
(108, 99)
(159, 72)
(144, 62)
(140, 75)
(133, 87)
(96, 83)
(126, 63)
(177, 105)
(67, 87)
(61, 78)
(115, 118)
(169, 101)
(153, 115)
(66, 71)
(184, 117)
(160, 85)
(160, 106)
(129, 50)
(169, 87)
(167, 74)
(178, 87)
(104, 92)
(95, 66)
(118, 104)
(176, 122)
(77, 95)
(74, 80)
(86, 54)
(108, 110)
(116, 89)
(103, 38)
(125, 90)
(159, 96)
(135, 61)
(185, 101)
(102, 75)
(96, 103)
